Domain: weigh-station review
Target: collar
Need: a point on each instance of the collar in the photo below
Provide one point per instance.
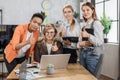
(89, 22)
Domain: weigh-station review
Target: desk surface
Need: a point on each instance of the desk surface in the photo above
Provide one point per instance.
(73, 72)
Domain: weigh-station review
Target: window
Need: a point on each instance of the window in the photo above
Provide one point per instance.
(110, 7)
(98, 1)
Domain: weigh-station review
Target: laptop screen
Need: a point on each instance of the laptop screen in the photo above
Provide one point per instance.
(59, 61)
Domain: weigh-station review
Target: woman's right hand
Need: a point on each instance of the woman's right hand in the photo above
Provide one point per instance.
(67, 42)
(85, 44)
(54, 47)
(63, 32)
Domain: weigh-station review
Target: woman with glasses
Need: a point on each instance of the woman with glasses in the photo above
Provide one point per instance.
(70, 29)
(49, 45)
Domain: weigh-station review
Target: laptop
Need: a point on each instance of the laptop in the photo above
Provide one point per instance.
(60, 61)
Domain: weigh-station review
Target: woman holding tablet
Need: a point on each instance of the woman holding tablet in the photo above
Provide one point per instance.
(70, 29)
(91, 48)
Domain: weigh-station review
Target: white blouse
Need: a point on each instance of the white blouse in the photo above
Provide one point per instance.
(74, 33)
(22, 51)
(49, 46)
(97, 38)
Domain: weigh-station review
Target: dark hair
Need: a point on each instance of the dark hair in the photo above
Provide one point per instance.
(38, 15)
(89, 4)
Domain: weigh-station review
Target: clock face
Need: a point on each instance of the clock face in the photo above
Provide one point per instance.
(46, 4)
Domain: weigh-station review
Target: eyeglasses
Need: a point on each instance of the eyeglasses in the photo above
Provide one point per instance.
(51, 33)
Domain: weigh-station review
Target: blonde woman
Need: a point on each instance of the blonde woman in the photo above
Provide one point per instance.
(70, 29)
(49, 45)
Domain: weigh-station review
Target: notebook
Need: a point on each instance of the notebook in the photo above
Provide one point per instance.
(60, 61)
(26, 73)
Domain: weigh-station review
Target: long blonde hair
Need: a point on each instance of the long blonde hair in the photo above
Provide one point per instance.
(73, 21)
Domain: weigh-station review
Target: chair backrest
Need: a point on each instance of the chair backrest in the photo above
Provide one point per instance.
(98, 69)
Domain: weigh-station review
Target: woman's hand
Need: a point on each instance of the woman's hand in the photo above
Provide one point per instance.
(63, 32)
(85, 44)
(67, 42)
(54, 47)
(84, 33)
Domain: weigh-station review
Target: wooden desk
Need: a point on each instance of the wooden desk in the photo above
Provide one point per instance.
(73, 72)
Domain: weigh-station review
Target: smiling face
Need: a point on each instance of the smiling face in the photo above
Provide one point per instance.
(35, 24)
(87, 12)
(68, 13)
(50, 34)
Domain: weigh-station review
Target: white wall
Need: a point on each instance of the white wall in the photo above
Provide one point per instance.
(20, 11)
(111, 61)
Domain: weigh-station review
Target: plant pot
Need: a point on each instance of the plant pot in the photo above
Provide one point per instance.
(50, 71)
(105, 40)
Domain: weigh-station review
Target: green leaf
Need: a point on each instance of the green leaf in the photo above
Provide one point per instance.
(43, 14)
(76, 14)
(106, 22)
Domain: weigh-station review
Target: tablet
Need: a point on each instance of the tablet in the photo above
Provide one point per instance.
(90, 31)
(71, 39)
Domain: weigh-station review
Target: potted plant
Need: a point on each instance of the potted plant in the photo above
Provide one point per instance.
(50, 69)
(76, 14)
(43, 14)
(106, 22)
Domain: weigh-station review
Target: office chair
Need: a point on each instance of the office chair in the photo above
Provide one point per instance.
(98, 69)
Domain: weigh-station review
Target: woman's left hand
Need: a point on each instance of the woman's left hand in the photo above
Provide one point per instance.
(54, 47)
(84, 33)
(85, 44)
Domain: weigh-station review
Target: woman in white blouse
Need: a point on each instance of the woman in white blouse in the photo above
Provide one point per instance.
(91, 38)
(70, 29)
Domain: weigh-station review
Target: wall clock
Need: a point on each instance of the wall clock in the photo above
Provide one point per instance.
(46, 4)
